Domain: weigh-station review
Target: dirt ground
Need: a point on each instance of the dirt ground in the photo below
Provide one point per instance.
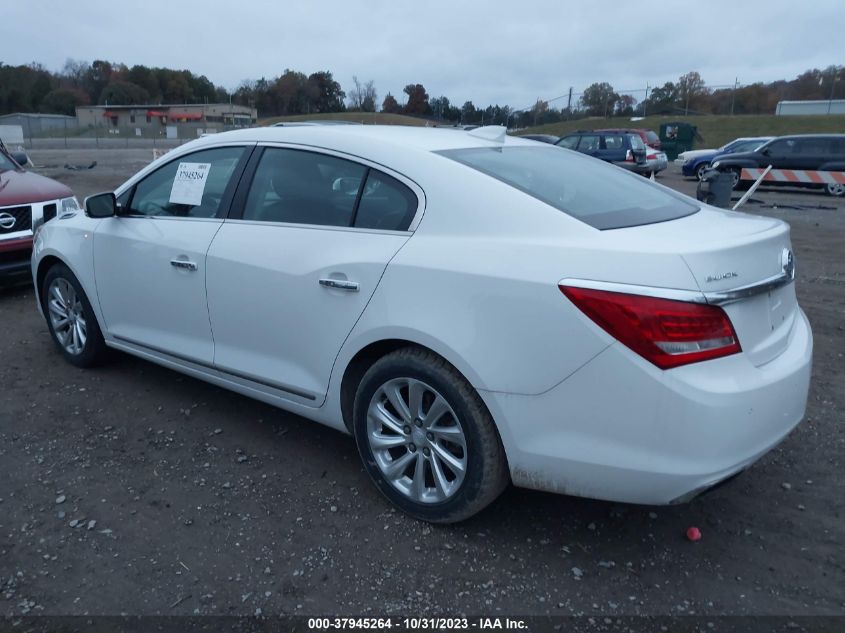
(132, 489)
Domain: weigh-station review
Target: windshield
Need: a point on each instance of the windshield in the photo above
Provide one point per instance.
(5, 162)
(746, 146)
(598, 194)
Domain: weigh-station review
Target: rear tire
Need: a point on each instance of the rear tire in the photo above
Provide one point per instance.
(71, 319)
(426, 438)
(835, 190)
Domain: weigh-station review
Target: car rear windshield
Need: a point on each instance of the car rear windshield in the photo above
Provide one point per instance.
(636, 142)
(598, 194)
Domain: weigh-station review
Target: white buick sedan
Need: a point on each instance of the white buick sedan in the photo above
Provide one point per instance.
(474, 309)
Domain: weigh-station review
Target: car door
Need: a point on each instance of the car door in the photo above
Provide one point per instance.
(780, 154)
(811, 152)
(149, 261)
(611, 148)
(294, 266)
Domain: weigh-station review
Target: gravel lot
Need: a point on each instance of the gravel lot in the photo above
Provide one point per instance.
(133, 489)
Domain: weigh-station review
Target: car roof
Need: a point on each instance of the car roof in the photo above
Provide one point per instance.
(617, 130)
(788, 136)
(428, 139)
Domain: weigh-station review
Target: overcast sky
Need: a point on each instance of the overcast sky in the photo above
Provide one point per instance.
(488, 52)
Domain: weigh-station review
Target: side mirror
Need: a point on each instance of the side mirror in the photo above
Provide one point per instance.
(101, 205)
(766, 152)
(20, 158)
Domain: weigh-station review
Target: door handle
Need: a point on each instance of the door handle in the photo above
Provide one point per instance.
(340, 284)
(184, 264)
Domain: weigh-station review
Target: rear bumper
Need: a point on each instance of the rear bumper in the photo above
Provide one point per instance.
(622, 430)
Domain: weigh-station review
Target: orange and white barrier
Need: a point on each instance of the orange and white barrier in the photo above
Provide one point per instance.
(798, 176)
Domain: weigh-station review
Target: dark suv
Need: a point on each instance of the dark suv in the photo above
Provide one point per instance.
(649, 137)
(27, 200)
(805, 152)
(620, 148)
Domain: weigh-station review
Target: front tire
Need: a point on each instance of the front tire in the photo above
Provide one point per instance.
(426, 438)
(71, 319)
(699, 172)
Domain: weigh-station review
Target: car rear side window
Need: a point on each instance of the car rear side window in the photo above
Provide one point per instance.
(598, 194)
(303, 187)
(386, 204)
(300, 187)
(613, 141)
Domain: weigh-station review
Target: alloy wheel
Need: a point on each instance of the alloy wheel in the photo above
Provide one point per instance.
(416, 440)
(67, 316)
(836, 190)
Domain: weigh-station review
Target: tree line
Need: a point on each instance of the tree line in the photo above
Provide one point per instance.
(32, 88)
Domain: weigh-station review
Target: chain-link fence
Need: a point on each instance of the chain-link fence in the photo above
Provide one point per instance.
(69, 134)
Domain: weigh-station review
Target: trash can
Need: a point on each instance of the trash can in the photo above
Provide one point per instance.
(715, 188)
(677, 137)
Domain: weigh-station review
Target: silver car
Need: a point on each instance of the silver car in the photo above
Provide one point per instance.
(656, 161)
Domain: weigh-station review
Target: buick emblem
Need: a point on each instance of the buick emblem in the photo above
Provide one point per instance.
(7, 220)
(787, 262)
(730, 274)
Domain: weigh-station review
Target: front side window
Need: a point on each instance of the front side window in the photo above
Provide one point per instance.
(601, 195)
(192, 186)
(301, 187)
(781, 148)
(589, 143)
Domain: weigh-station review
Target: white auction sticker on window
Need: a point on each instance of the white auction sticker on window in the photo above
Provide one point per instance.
(189, 184)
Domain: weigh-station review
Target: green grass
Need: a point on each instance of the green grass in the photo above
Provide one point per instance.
(368, 118)
(715, 130)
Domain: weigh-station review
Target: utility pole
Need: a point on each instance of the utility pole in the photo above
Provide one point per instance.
(569, 104)
(833, 81)
(645, 101)
(733, 95)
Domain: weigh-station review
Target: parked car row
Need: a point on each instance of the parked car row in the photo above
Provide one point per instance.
(798, 152)
(634, 149)
(695, 162)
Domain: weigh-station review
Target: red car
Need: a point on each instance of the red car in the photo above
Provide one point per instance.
(649, 137)
(27, 200)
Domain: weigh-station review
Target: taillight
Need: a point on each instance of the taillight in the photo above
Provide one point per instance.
(665, 332)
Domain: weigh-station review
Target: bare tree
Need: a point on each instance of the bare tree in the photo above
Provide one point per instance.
(363, 96)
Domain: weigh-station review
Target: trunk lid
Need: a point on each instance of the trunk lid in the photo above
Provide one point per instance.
(724, 250)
